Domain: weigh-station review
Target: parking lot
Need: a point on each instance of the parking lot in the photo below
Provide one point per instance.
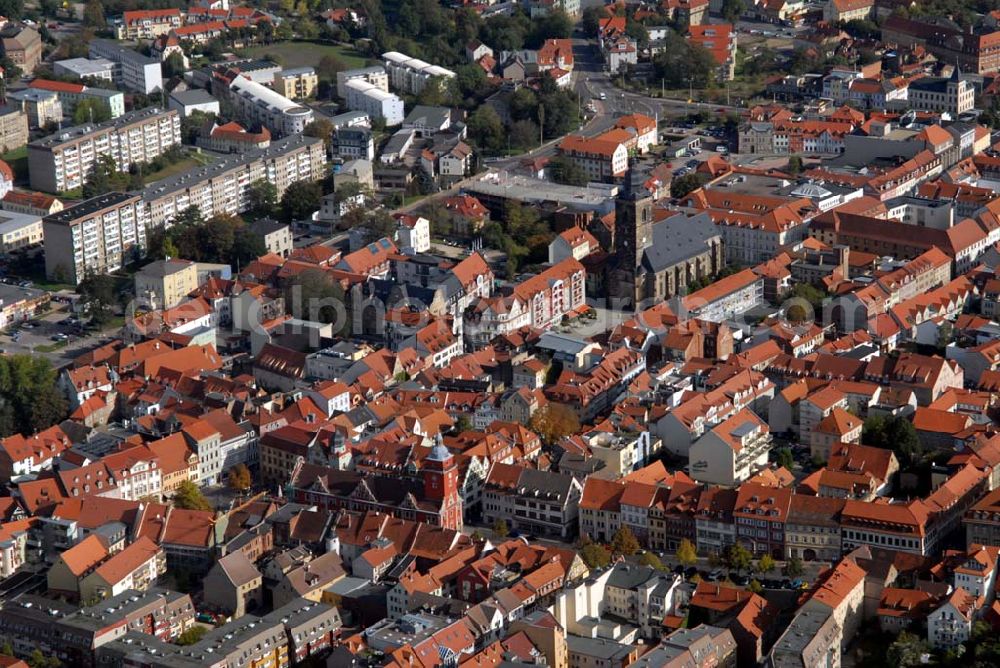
(54, 335)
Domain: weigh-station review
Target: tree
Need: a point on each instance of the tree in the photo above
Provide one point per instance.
(321, 128)
(651, 560)
(894, 433)
(783, 457)
(189, 497)
(732, 10)
(216, 236)
(755, 586)
(98, 296)
(173, 66)
(463, 423)
(93, 15)
(591, 20)
(765, 564)
(624, 543)
(566, 171)
(90, 111)
(523, 134)
(907, 650)
(239, 478)
(192, 635)
(247, 246)
(945, 330)
(313, 295)
(684, 64)
(30, 400)
(300, 200)
(738, 557)
(471, 83)
(686, 553)
(486, 129)
(809, 293)
(263, 198)
(38, 660)
(500, 528)
(595, 555)
(686, 184)
(794, 568)
(554, 421)
(794, 165)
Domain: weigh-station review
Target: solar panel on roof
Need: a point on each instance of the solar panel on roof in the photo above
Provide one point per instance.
(385, 243)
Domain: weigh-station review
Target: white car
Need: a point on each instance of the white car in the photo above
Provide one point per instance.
(603, 95)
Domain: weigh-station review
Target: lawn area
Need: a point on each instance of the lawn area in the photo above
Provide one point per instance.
(18, 161)
(192, 161)
(50, 348)
(301, 54)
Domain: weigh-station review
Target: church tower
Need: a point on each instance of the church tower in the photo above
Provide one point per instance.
(633, 219)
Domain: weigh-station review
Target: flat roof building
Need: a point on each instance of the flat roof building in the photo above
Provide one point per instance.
(97, 236)
(63, 161)
(132, 69)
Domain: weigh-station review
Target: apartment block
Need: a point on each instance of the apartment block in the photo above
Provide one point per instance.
(13, 127)
(258, 104)
(94, 237)
(132, 69)
(223, 186)
(296, 83)
(369, 98)
(375, 75)
(411, 75)
(63, 161)
(148, 23)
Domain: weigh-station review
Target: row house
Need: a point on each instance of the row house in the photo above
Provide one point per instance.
(538, 302)
(714, 523)
(754, 228)
(681, 425)
(760, 515)
(603, 158)
(539, 502)
(596, 390)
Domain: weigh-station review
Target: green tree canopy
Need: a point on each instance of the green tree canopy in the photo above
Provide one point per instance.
(189, 497)
(894, 433)
(682, 186)
(30, 400)
(300, 200)
(738, 557)
(564, 170)
(595, 555)
(91, 111)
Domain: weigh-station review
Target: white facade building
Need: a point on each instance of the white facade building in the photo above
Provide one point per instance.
(411, 75)
(132, 69)
(366, 97)
(256, 103)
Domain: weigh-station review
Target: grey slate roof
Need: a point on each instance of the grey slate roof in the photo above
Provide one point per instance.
(678, 238)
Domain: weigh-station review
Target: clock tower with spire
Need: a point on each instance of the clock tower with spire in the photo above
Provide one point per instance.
(440, 475)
